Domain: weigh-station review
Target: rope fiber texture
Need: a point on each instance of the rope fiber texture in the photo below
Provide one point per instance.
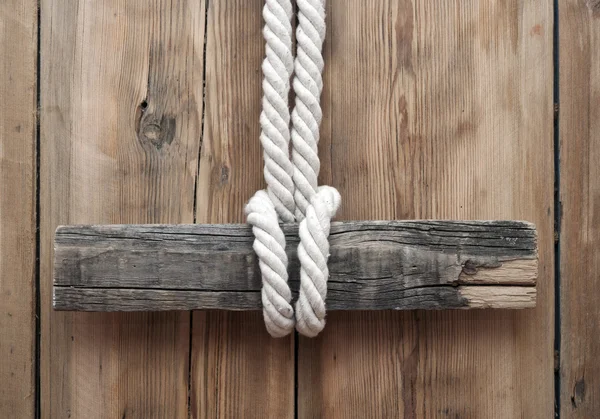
(265, 209)
(314, 206)
(292, 192)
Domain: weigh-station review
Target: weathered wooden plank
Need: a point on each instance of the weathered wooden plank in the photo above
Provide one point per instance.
(417, 298)
(121, 111)
(238, 370)
(437, 110)
(220, 256)
(18, 55)
(579, 72)
(374, 265)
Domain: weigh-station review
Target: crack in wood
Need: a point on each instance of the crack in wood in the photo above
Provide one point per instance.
(374, 265)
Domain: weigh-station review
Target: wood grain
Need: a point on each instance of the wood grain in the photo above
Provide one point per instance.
(579, 70)
(343, 297)
(121, 112)
(437, 111)
(238, 370)
(18, 52)
(374, 265)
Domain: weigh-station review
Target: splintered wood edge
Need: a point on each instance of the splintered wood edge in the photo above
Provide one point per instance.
(515, 272)
(499, 296)
(374, 265)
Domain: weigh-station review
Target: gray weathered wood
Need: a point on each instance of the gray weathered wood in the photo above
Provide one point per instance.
(374, 265)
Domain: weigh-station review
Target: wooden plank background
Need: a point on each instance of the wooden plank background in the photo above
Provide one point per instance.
(438, 112)
(579, 76)
(149, 114)
(237, 370)
(18, 95)
(121, 117)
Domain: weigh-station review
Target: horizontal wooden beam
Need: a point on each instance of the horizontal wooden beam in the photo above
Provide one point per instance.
(374, 265)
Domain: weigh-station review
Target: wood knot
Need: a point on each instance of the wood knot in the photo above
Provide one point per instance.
(157, 130)
(594, 6)
(224, 175)
(470, 267)
(578, 396)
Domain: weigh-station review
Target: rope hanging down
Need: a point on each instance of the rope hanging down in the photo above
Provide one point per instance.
(265, 208)
(292, 192)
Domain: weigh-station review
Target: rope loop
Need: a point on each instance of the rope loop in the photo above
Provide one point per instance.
(292, 192)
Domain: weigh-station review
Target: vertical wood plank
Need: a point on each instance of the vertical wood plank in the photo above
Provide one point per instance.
(18, 49)
(120, 120)
(579, 72)
(238, 370)
(437, 111)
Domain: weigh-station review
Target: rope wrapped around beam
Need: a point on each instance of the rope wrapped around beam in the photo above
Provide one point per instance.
(292, 190)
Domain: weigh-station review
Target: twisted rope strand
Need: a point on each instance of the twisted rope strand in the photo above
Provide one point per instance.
(315, 206)
(292, 191)
(313, 253)
(307, 114)
(277, 68)
(266, 208)
(269, 245)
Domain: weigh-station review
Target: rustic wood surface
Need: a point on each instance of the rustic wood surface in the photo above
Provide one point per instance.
(18, 60)
(237, 369)
(429, 112)
(121, 115)
(437, 112)
(374, 265)
(421, 298)
(579, 74)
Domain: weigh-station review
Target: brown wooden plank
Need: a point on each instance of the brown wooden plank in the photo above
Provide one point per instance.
(374, 265)
(437, 111)
(579, 70)
(238, 370)
(121, 115)
(18, 87)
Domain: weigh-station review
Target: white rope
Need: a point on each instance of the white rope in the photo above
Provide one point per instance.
(277, 68)
(313, 252)
(307, 114)
(266, 208)
(292, 191)
(269, 245)
(314, 206)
